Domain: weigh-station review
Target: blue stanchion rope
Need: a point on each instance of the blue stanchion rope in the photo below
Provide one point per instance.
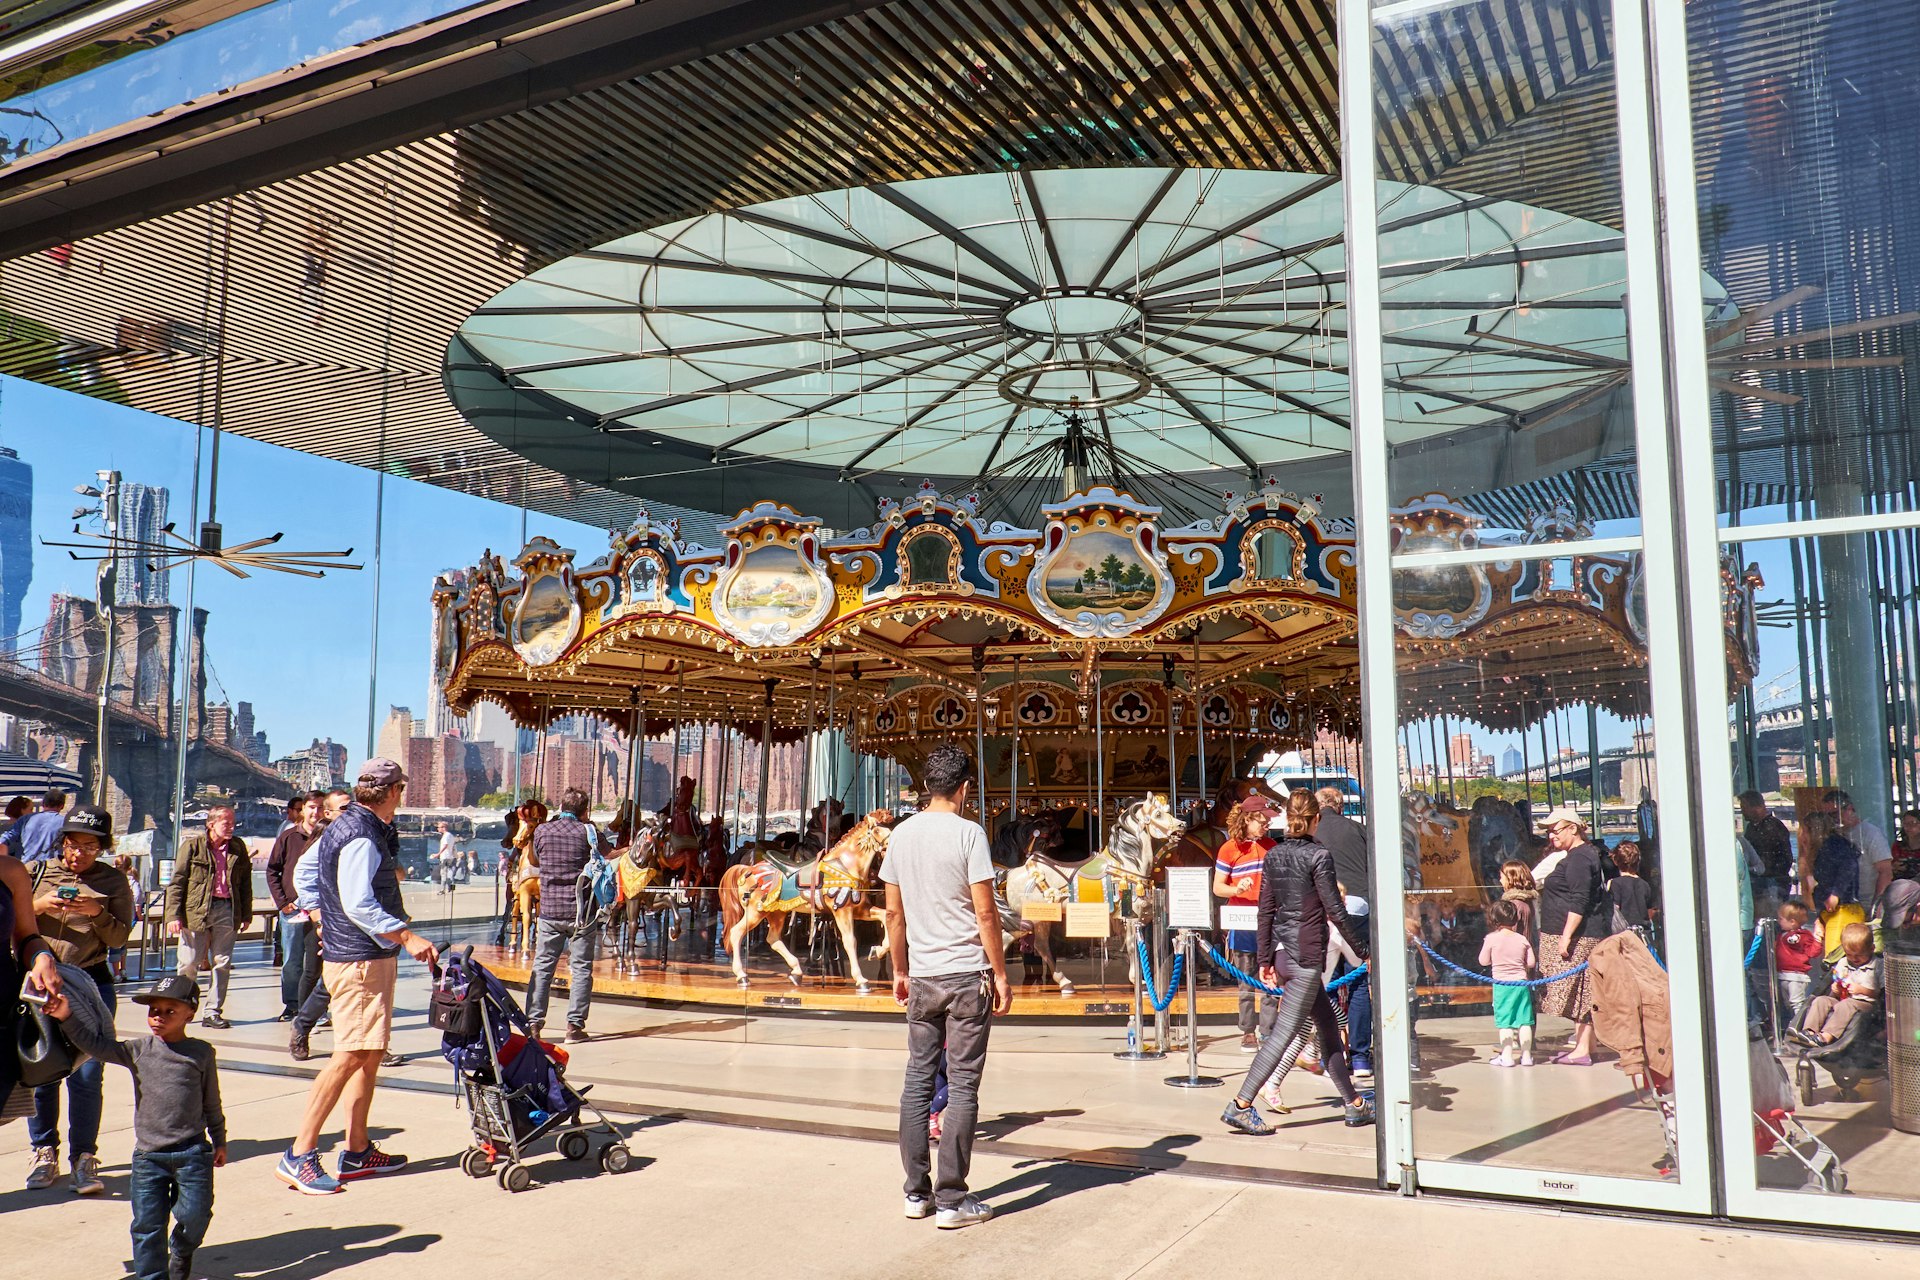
(1160, 1002)
(1245, 979)
(1503, 982)
(1753, 952)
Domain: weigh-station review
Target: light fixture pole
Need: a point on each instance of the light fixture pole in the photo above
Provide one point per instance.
(106, 587)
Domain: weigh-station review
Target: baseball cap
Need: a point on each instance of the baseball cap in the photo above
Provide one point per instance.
(1560, 814)
(90, 820)
(380, 772)
(1257, 802)
(185, 990)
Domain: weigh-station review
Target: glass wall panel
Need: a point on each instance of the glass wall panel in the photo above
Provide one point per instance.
(1808, 187)
(1502, 262)
(1535, 717)
(1829, 811)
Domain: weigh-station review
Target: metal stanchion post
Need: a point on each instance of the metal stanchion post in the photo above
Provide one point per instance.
(1768, 932)
(1137, 1050)
(1193, 1079)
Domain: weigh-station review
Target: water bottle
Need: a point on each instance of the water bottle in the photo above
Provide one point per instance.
(1132, 1040)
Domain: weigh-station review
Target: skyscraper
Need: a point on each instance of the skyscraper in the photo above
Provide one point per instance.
(16, 543)
(143, 516)
(1511, 760)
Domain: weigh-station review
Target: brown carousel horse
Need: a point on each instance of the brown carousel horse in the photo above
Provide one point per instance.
(1201, 844)
(833, 884)
(640, 870)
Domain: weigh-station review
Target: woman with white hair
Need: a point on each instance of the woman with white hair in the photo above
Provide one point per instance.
(1572, 924)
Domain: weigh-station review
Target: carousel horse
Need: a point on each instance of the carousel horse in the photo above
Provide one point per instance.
(1201, 843)
(1497, 832)
(713, 861)
(1134, 853)
(833, 884)
(639, 869)
(523, 899)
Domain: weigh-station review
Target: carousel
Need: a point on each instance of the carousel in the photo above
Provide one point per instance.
(1031, 462)
(1117, 678)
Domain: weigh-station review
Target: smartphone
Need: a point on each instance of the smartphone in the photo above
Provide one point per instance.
(38, 999)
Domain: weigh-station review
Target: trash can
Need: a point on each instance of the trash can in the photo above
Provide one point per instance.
(1902, 965)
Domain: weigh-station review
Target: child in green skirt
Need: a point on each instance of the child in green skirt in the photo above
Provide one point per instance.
(1511, 959)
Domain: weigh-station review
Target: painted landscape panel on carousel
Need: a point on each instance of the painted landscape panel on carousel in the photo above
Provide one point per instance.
(773, 585)
(1099, 569)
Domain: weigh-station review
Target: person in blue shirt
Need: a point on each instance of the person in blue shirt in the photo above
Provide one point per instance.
(36, 837)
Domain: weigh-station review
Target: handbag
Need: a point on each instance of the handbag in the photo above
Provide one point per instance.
(454, 1012)
(46, 1056)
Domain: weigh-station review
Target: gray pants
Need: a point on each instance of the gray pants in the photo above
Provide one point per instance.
(550, 940)
(1306, 997)
(1250, 1000)
(950, 1013)
(210, 948)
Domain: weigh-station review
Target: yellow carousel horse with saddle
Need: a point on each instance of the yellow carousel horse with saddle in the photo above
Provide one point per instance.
(771, 889)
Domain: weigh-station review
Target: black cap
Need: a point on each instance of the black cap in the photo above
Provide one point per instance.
(185, 990)
(92, 820)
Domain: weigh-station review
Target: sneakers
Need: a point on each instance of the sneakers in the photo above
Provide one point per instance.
(86, 1175)
(45, 1170)
(577, 1035)
(1270, 1094)
(1501, 1060)
(1526, 1059)
(1359, 1113)
(297, 1047)
(304, 1174)
(933, 1127)
(286, 1015)
(365, 1164)
(215, 1022)
(969, 1212)
(1250, 1043)
(919, 1207)
(392, 1060)
(1244, 1119)
(1362, 1065)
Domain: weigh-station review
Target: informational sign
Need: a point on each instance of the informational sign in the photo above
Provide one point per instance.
(1240, 916)
(1190, 897)
(1044, 912)
(1086, 919)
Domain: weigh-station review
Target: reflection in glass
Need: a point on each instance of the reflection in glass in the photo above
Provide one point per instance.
(1824, 787)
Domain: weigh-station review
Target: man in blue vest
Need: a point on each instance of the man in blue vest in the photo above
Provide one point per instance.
(363, 929)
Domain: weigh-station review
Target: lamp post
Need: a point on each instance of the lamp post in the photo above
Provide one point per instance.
(106, 587)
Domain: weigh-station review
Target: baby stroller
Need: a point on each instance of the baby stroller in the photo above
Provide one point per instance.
(510, 1083)
(1777, 1131)
(1860, 1054)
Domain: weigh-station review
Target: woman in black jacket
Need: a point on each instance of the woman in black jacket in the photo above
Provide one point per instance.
(1299, 899)
(1573, 920)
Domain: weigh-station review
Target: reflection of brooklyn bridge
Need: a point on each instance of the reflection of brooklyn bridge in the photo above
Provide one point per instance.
(53, 684)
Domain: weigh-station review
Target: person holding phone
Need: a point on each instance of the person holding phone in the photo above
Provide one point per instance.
(83, 908)
(950, 971)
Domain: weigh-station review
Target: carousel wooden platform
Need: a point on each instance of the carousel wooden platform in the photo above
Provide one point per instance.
(682, 983)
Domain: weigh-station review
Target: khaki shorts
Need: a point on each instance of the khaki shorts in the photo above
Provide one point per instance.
(360, 995)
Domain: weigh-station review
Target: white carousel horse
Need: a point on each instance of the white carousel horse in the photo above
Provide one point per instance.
(1117, 876)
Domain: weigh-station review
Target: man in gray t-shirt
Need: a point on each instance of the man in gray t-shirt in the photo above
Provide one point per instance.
(950, 971)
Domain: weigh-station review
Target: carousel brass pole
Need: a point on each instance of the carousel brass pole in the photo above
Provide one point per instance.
(1199, 719)
(1593, 766)
(1013, 758)
(766, 760)
(833, 753)
(980, 736)
(1173, 749)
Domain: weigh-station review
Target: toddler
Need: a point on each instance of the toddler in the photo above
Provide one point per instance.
(1512, 958)
(179, 1130)
(1794, 952)
(1517, 886)
(1856, 987)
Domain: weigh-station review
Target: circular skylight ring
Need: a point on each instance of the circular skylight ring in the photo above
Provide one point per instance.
(1072, 314)
(1022, 386)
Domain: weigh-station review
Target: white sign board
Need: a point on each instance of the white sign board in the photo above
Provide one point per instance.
(1240, 916)
(1190, 897)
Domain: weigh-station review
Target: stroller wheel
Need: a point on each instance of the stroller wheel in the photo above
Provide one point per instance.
(614, 1157)
(515, 1177)
(1804, 1077)
(475, 1163)
(574, 1146)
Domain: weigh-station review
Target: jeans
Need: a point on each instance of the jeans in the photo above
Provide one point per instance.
(296, 982)
(952, 1011)
(549, 941)
(1306, 996)
(1360, 1018)
(1250, 1000)
(169, 1182)
(211, 948)
(83, 1090)
(312, 1009)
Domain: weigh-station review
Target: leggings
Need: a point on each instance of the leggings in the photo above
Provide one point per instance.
(1306, 997)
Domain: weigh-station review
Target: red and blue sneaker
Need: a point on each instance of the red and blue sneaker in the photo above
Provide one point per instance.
(365, 1164)
(304, 1174)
